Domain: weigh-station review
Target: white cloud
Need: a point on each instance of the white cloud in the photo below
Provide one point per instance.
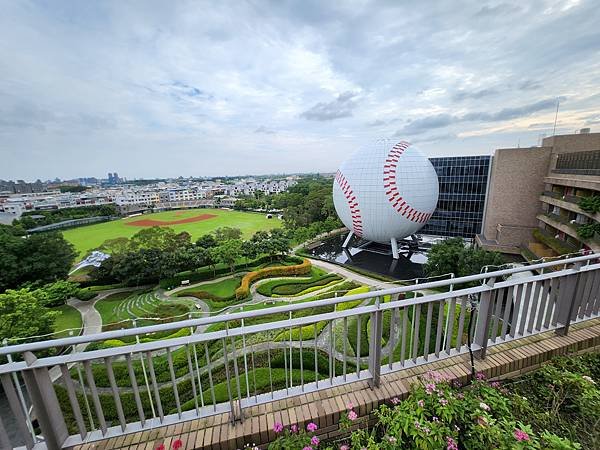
(163, 89)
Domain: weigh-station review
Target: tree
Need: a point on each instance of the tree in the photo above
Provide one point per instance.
(228, 252)
(206, 241)
(57, 293)
(115, 246)
(280, 242)
(37, 259)
(161, 238)
(248, 250)
(454, 256)
(226, 233)
(141, 267)
(23, 315)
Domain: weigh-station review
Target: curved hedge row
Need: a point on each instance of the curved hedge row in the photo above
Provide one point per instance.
(244, 290)
(294, 287)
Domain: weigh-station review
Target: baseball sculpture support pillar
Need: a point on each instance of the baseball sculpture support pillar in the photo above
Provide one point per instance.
(394, 244)
(347, 241)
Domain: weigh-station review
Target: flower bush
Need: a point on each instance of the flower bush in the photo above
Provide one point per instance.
(482, 415)
(295, 438)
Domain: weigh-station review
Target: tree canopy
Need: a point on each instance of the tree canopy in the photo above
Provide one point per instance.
(37, 259)
(455, 256)
(22, 315)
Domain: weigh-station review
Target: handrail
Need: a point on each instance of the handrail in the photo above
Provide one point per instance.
(501, 309)
(69, 341)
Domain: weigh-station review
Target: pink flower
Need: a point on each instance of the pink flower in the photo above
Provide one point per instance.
(495, 384)
(314, 441)
(480, 376)
(443, 401)
(176, 445)
(395, 401)
(344, 447)
(451, 444)
(430, 387)
(352, 415)
(161, 447)
(294, 428)
(308, 447)
(520, 435)
(278, 427)
(312, 427)
(350, 405)
(421, 403)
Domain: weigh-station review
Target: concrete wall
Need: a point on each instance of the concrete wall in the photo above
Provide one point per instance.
(571, 143)
(517, 180)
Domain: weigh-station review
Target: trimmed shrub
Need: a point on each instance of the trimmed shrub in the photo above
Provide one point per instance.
(207, 273)
(295, 287)
(244, 290)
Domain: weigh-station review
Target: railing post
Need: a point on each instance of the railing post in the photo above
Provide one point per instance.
(375, 345)
(566, 301)
(45, 404)
(484, 318)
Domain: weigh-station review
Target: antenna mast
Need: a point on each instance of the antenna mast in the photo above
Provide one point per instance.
(556, 116)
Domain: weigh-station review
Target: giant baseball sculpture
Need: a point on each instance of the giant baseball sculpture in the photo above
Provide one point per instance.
(385, 192)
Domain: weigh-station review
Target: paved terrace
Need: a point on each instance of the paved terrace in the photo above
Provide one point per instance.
(325, 407)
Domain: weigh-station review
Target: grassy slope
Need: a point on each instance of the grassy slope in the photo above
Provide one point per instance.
(224, 288)
(69, 318)
(92, 236)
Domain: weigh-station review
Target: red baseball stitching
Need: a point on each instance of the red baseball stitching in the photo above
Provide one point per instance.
(352, 203)
(391, 189)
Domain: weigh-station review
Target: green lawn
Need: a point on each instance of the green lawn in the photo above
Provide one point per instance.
(92, 236)
(138, 304)
(69, 318)
(221, 289)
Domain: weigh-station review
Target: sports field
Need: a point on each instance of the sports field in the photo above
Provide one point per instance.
(195, 221)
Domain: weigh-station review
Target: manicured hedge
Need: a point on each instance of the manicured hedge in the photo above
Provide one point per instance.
(294, 287)
(207, 273)
(244, 290)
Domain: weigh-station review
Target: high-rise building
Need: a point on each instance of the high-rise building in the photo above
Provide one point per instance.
(539, 197)
(463, 186)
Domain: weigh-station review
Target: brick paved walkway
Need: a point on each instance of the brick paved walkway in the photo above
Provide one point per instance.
(325, 407)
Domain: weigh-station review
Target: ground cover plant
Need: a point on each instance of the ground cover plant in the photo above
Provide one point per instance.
(554, 407)
(92, 236)
(118, 310)
(288, 288)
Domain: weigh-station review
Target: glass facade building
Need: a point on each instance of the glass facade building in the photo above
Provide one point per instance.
(463, 188)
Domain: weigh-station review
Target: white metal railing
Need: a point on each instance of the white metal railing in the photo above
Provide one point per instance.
(229, 362)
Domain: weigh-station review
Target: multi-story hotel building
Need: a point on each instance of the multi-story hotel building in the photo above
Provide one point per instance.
(538, 198)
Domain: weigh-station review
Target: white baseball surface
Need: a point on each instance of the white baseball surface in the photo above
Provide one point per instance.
(386, 190)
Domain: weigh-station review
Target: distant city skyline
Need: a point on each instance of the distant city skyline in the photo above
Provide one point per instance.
(162, 89)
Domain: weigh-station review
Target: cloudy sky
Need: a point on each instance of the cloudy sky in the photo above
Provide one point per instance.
(169, 88)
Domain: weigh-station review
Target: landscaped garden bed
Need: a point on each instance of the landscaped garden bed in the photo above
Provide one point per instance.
(554, 407)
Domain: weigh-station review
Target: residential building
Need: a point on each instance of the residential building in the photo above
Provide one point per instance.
(463, 186)
(534, 197)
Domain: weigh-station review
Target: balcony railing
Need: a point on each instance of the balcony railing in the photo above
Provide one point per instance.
(299, 348)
